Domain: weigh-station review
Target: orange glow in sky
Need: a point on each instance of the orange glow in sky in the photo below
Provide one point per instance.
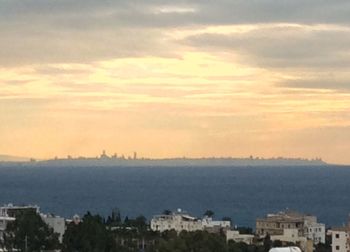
(189, 85)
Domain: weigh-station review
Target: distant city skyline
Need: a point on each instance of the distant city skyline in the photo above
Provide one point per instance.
(135, 156)
(170, 79)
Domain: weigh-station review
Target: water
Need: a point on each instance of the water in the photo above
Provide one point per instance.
(240, 193)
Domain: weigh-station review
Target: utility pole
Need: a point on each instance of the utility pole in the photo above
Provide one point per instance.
(26, 244)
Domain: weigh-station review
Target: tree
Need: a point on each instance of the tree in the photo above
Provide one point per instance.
(267, 243)
(126, 221)
(167, 212)
(30, 233)
(320, 247)
(277, 243)
(209, 213)
(89, 235)
(115, 218)
(200, 241)
(141, 222)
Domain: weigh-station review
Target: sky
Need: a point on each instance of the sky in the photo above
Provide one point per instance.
(175, 78)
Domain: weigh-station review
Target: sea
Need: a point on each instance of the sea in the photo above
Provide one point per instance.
(241, 193)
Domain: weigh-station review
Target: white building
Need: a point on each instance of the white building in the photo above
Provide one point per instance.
(11, 211)
(209, 224)
(177, 221)
(340, 239)
(56, 223)
(316, 232)
(237, 237)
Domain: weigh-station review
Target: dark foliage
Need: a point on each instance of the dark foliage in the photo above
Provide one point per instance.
(90, 234)
(30, 233)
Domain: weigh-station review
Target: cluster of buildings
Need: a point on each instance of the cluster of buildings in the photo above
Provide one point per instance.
(302, 229)
(286, 227)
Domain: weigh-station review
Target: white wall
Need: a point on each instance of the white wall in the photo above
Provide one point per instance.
(175, 222)
(237, 237)
(340, 241)
(56, 223)
(316, 232)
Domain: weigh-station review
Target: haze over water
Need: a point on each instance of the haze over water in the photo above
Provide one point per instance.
(240, 193)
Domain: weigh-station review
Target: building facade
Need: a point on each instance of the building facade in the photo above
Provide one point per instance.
(315, 232)
(58, 224)
(214, 226)
(181, 221)
(177, 221)
(306, 225)
(340, 239)
(12, 211)
(291, 236)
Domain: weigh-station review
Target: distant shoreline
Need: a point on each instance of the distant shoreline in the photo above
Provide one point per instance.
(105, 161)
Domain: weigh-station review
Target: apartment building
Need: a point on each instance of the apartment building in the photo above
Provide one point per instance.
(177, 221)
(306, 225)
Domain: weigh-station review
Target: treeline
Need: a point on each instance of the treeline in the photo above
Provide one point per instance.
(96, 234)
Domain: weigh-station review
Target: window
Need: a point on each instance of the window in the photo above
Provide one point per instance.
(337, 236)
(336, 247)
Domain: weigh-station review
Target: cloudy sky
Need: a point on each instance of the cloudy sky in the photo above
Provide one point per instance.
(175, 78)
